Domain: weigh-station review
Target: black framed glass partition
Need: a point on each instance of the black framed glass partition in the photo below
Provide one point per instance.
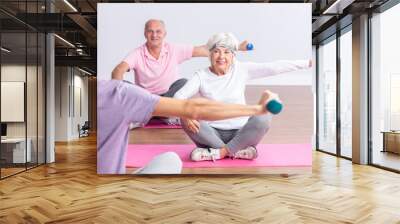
(22, 77)
(385, 88)
(14, 153)
(334, 96)
(327, 95)
(345, 93)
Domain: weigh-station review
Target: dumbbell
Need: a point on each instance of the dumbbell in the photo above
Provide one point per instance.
(274, 106)
(249, 46)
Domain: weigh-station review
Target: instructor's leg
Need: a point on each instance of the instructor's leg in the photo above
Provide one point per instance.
(165, 163)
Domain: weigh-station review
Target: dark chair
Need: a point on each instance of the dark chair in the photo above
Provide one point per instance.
(84, 130)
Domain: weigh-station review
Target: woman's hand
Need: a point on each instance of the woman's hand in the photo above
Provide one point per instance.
(193, 125)
(243, 46)
(266, 96)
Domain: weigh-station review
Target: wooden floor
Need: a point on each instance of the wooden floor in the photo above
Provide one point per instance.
(387, 159)
(10, 171)
(70, 191)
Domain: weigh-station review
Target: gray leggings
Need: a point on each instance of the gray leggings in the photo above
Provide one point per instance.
(177, 85)
(234, 140)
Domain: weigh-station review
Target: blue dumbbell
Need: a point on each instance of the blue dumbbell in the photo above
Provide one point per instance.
(249, 46)
(274, 106)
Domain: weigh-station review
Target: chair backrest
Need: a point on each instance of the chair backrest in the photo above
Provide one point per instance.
(86, 125)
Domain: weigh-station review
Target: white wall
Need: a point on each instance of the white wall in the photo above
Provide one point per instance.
(12, 73)
(68, 82)
(33, 127)
(62, 82)
(80, 83)
(278, 32)
(12, 100)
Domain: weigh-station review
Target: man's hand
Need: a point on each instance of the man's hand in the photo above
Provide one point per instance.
(119, 70)
(193, 125)
(200, 51)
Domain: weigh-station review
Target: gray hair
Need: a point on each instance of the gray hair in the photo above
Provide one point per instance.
(226, 40)
(154, 20)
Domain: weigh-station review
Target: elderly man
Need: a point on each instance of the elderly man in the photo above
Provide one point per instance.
(156, 62)
(225, 81)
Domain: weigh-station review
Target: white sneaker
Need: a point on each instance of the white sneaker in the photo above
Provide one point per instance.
(247, 153)
(172, 121)
(135, 125)
(202, 154)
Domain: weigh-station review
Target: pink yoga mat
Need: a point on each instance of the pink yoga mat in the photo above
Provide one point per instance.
(155, 123)
(162, 126)
(268, 155)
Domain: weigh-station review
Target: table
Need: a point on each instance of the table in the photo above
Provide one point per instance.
(391, 141)
(15, 148)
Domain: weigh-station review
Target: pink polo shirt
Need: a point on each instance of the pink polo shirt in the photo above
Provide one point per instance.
(157, 75)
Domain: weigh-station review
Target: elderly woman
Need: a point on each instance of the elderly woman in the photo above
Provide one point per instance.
(225, 80)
